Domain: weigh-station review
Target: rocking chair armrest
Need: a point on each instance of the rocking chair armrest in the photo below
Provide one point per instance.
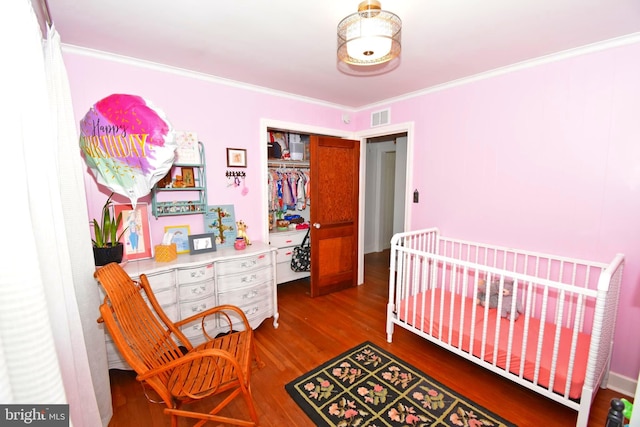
(219, 309)
(188, 358)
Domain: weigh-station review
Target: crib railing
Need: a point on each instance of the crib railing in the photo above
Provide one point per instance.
(575, 295)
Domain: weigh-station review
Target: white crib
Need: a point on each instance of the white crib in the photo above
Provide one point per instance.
(559, 347)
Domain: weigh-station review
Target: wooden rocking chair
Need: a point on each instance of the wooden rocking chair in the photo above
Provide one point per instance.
(166, 361)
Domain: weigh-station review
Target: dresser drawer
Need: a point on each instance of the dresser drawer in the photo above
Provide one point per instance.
(284, 255)
(168, 303)
(287, 238)
(243, 280)
(165, 297)
(196, 290)
(193, 330)
(189, 308)
(244, 264)
(195, 274)
(253, 309)
(159, 281)
(241, 297)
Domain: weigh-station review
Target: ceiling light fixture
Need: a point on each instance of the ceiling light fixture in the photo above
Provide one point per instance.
(370, 36)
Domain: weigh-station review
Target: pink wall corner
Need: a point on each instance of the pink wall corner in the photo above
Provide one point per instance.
(545, 158)
(223, 116)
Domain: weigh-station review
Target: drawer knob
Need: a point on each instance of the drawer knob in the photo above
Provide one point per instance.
(254, 310)
(198, 290)
(247, 264)
(198, 308)
(251, 294)
(250, 278)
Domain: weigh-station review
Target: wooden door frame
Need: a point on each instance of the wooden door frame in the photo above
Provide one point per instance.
(362, 136)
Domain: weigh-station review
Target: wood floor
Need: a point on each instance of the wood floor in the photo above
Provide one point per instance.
(313, 330)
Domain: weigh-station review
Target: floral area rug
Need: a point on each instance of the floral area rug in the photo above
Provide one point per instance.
(366, 386)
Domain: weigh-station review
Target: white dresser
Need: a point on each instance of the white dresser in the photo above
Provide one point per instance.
(284, 242)
(193, 283)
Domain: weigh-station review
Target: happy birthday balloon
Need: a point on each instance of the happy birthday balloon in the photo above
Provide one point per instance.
(128, 144)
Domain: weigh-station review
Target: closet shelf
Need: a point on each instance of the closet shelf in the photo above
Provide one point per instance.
(288, 163)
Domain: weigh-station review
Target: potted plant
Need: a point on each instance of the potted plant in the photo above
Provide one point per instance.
(106, 242)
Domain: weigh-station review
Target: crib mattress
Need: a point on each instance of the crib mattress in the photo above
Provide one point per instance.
(459, 334)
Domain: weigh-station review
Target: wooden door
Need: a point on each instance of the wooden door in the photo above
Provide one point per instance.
(334, 191)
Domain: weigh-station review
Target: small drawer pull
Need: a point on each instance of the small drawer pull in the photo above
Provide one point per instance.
(247, 264)
(251, 294)
(250, 278)
(198, 290)
(199, 308)
(197, 273)
(254, 310)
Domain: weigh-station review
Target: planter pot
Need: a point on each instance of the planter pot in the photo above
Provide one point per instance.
(104, 256)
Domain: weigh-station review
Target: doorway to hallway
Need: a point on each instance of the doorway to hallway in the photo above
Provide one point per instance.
(385, 190)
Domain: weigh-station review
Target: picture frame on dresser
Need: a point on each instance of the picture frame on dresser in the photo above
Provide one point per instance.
(180, 237)
(202, 243)
(137, 236)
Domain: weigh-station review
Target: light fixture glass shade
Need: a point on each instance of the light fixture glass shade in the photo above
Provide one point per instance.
(370, 36)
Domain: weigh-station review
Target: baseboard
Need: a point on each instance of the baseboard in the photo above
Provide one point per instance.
(622, 384)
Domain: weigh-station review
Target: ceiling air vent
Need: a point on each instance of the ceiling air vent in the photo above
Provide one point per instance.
(380, 118)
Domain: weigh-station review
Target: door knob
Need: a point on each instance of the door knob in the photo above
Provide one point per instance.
(316, 224)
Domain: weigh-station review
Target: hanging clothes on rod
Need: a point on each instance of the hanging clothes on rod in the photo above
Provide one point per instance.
(288, 189)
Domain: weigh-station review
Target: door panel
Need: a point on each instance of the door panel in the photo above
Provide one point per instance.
(334, 214)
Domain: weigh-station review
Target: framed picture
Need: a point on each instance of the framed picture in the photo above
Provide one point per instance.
(137, 237)
(236, 158)
(221, 221)
(201, 243)
(180, 237)
(187, 177)
(187, 148)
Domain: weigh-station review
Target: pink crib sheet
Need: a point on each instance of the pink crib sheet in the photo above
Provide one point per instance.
(450, 333)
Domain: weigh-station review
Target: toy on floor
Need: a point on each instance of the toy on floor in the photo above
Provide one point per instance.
(242, 231)
(507, 296)
(620, 410)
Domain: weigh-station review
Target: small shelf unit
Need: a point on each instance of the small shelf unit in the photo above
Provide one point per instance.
(171, 200)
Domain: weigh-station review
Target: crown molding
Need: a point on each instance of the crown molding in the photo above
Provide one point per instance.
(554, 57)
(135, 62)
(559, 56)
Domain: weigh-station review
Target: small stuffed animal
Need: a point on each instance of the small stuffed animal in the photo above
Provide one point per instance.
(507, 298)
(494, 291)
(242, 231)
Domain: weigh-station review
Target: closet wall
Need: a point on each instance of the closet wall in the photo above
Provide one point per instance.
(289, 205)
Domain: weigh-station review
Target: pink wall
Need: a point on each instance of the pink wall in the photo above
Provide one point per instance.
(546, 158)
(223, 116)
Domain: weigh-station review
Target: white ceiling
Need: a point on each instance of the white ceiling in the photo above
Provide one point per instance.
(290, 45)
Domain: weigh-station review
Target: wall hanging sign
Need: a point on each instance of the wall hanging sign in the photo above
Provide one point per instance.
(128, 144)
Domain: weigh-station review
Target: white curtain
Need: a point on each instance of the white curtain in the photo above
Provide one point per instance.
(51, 348)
